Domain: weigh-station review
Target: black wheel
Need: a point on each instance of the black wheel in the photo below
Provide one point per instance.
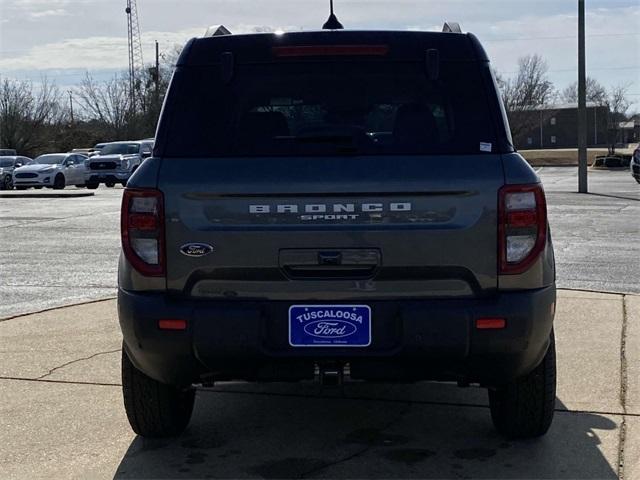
(21, 188)
(110, 184)
(7, 183)
(524, 408)
(154, 410)
(92, 186)
(59, 182)
(38, 188)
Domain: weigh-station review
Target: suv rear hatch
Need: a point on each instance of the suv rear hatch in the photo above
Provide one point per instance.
(331, 173)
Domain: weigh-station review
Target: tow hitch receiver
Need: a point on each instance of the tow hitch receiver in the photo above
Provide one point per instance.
(330, 375)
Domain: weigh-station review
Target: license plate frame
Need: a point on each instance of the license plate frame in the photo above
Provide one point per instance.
(329, 326)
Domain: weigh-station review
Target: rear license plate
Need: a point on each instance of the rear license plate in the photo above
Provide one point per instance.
(329, 326)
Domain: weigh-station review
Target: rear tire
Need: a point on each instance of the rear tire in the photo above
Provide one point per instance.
(154, 410)
(524, 408)
(92, 186)
(110, 184)
(59, 182)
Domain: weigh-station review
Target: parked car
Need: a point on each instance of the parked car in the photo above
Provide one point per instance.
(335, 205)
(54, 170)
(116, 162)
(8, 152)
(7, 165)
(635, 164)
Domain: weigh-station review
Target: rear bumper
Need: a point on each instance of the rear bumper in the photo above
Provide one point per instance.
(411, 340)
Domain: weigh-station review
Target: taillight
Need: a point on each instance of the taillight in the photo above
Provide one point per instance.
(522, 233)
(142, 223)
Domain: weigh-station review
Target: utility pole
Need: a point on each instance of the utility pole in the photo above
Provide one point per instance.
(582, 101)
(157, 73)
(71, 105)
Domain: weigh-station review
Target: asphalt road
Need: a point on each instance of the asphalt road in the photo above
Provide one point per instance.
(64, 250)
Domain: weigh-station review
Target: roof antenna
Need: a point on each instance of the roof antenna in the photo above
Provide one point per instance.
(332, 23)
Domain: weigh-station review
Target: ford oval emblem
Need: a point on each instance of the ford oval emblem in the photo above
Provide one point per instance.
(196, 249)
(330, 329)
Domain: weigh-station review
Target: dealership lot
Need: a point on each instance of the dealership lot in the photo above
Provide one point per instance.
(61, 251)
(62, 413)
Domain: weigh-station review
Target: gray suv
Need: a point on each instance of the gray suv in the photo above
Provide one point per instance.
(336, 205)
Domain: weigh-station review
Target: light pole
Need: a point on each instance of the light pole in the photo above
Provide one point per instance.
(582, 101)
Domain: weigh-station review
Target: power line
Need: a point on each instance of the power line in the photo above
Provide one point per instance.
(575, 69)
(563, 37)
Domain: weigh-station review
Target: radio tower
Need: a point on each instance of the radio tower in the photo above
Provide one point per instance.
(135, 51)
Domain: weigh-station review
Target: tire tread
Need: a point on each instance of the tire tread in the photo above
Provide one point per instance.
(525, 407)
(154, 410)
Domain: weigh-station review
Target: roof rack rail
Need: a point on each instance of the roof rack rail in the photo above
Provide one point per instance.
(216, 31)
(451, 27)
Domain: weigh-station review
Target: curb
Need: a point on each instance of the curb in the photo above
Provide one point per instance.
(613, 169)
(47, 195)
(61, 307)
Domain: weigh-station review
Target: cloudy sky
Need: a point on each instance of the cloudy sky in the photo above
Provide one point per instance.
(63, 38)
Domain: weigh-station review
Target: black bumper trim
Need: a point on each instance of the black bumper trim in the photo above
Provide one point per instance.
(412, 339)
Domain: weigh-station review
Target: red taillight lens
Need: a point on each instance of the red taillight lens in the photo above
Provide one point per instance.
(522, 227)
(330, 50)
(172, 324)
(142, 229)
(491, 323)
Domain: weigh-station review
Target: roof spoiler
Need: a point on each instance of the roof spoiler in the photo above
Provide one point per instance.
(451, 27)
(216, 31)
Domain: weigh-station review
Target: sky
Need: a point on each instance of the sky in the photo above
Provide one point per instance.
(62, 39)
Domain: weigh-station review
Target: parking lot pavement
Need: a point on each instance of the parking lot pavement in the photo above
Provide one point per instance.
(56, 251)
(62, 413)
(595, 236)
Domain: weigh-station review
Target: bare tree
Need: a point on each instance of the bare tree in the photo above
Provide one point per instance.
(108, 103)
(28, 114)
(619, 104)
(596, 93)
(526, 94)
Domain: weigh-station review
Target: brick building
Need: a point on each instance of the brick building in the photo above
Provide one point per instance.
(556, 126)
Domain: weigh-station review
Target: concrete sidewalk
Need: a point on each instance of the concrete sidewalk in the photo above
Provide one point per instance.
(62, 415)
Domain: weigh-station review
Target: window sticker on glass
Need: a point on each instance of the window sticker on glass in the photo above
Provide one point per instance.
(486, 147)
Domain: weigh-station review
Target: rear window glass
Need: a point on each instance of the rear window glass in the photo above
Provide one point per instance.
(318, 108)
